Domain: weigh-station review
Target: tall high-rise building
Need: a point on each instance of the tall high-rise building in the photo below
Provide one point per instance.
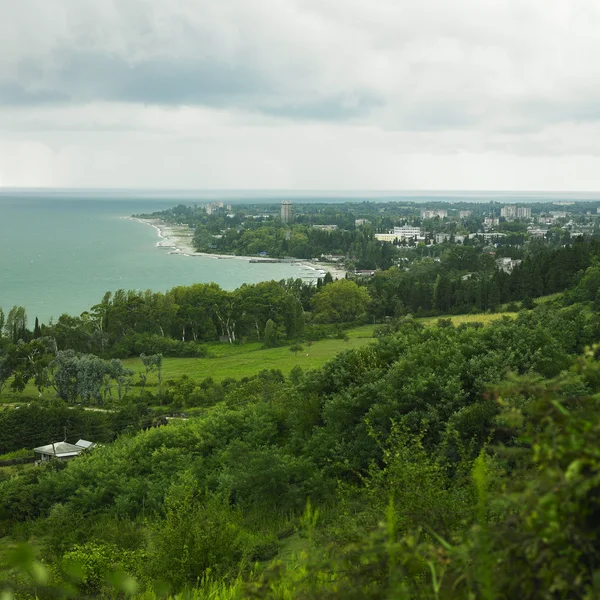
(519, 212)
(287, 212)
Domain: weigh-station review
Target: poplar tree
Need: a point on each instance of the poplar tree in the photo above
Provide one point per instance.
(37, 332)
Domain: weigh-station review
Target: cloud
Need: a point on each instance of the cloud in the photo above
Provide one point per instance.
(358, 85)
(426, 65)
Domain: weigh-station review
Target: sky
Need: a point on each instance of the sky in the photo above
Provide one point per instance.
(300, 94)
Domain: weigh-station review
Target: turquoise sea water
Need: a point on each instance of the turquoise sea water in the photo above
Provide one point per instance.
(59, 253)
(61, 250)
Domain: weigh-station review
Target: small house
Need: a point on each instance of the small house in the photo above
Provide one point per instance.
(58, 450)
(62, 450)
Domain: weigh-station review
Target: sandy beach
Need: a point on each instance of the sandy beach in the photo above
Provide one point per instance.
(178, 239)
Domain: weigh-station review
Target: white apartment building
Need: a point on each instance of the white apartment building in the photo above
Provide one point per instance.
(400, 233)
(406, 232)
(432, 214)
(515, 212)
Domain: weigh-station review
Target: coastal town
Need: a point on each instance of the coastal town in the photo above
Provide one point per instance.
(357, 239)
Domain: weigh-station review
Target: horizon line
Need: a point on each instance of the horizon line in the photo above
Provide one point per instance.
(291, 190)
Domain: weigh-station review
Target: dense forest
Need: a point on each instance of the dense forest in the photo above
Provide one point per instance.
(438, 461)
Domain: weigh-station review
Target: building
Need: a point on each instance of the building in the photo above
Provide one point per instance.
(325, 227)
(62, 450)
(432, 214)
(515, 212)
(406, 232)
(540, 233)
(507, 264)
(85, 444)
(287, 212)
(400, 233)
(523, 212)
(488, 237)
(386, 237)
(465, 214)
(358, 222)
(491, 221)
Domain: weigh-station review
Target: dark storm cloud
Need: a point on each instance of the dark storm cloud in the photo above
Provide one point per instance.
(414, 66)
(166, 81)
(16, 94)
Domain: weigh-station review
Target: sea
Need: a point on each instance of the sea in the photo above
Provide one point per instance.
(61, 250)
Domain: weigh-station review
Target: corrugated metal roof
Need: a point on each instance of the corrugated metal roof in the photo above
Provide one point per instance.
(62, 449)
(85, 444)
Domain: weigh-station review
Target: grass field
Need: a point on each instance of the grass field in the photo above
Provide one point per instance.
(246, 360)
(249, 359)
(458, 319)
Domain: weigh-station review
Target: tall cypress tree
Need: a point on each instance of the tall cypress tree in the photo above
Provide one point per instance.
(37, 332)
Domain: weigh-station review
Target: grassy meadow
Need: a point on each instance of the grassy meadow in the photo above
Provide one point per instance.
(248, 359)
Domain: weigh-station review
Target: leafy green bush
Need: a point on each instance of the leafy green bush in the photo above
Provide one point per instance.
(147, 343)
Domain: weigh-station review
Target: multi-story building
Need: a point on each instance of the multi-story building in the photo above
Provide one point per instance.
(400, 233)
(406, 232)
(515, 212)
(507, 264)
(465, 214)
(539, 233)
(491, 221)
(386, 237)
(523, 212)
(287, 212)
(432, 214)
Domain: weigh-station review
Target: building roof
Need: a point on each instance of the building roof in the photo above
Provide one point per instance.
(85, 444)
(59, 449)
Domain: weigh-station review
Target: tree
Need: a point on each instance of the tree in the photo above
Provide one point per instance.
(37, 332)
(295, 348)
(5, 371)
(2, 321)
(442, 293)
(340, 302)
(16, 323)
(271, 335)
(74, 375)
(121, 375)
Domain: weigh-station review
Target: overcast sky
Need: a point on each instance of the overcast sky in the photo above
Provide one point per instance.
(301, 94)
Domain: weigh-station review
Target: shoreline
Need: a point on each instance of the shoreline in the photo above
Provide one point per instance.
(178, 240)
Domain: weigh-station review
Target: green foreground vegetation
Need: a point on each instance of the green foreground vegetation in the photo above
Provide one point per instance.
(393, 437)
(412, 467)
(249, 359)
(232, 361)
